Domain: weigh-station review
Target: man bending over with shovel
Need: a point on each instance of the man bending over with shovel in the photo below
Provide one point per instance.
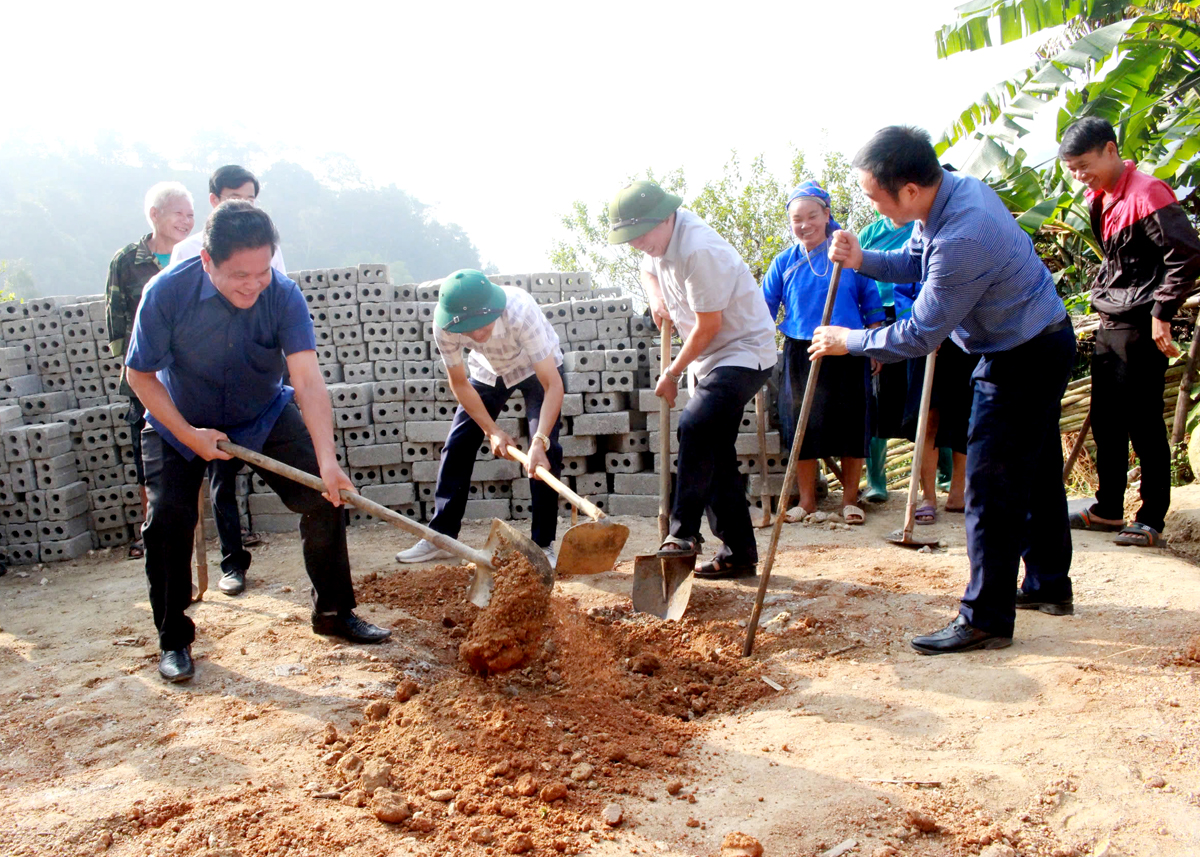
(695, 279)
(512, 347)
(984, 285)
(208, 348)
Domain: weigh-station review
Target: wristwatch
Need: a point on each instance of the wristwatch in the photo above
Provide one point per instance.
(672, 375)
(544, 439)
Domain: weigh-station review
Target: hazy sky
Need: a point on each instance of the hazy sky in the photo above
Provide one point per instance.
(498, 115)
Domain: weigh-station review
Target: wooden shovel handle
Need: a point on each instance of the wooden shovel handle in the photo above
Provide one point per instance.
(590, 509)
(360, 502)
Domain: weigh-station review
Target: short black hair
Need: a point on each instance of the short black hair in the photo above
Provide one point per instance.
(238, 224)
(897, 155)
(1086, 135)
(230, 177)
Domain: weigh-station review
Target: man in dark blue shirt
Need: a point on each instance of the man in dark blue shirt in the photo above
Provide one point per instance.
(209, 345)
(986, 288)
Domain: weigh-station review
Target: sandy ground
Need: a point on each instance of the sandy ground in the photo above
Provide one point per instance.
(1082, 738)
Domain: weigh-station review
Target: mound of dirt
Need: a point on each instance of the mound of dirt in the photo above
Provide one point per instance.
(602, 707)
(508, 632)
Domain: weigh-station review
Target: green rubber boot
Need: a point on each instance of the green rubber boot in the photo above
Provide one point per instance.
(945, 468)
(876, 476)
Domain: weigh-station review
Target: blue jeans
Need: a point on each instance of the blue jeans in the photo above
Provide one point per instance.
(458, 461)
(1016, 501)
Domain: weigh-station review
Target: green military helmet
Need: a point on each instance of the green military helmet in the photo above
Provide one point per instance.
(637, 208)
(467, 301)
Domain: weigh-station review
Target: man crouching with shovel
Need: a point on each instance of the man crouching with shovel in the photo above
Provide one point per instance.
(512, 347)
(208, 348)
(697, 281)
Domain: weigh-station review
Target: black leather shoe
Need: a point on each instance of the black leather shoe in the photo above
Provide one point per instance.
(176, 665)
(724, 569)
(349, 627)
(958, 636)
(1033, 601)
(233, 583)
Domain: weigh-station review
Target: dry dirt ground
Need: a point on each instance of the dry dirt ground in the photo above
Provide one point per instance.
(1080, 739)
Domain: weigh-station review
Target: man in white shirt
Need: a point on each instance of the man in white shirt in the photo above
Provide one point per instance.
(229, 182)
(694, 278)
(512, 347)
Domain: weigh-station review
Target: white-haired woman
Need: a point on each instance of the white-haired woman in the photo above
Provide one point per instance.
(168, 209)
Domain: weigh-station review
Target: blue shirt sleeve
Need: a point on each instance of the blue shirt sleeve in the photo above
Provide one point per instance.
(773, 286)
(295, 325)
(149, 348)
(957, 277)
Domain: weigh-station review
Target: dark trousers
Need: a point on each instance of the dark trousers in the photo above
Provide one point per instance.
(708, 477)
(222, 484)
(173, 485)
(1128, 379)
(1016, 501)
(462, 445)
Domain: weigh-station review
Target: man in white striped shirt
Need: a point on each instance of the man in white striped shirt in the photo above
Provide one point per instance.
(511, 347)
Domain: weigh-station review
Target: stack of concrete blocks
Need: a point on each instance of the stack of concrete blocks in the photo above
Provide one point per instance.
(68, 482)
(67, 447)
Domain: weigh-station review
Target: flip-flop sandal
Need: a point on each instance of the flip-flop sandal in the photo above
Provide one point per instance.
(796, 514)
(1085, 520)
(676, 546)
(853, 516)
(926, 514)
(249, 540)
(1139, 535)
(137, 550)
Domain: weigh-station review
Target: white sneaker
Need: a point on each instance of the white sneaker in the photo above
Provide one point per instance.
(423, 551)
(551, 554)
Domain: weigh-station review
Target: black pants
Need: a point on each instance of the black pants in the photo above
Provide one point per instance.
(1128, 379)
(708, 477)
(462, 445)
(222, 483)
(173, 486)
(1016, 501)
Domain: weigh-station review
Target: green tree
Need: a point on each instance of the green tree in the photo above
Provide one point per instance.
(746, 206)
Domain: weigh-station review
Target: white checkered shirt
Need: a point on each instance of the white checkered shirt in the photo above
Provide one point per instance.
(522, 336)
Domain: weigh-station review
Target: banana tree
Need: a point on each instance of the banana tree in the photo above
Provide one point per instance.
(1137, 65)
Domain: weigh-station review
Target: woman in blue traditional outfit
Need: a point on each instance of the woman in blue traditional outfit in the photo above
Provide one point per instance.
(798, 279)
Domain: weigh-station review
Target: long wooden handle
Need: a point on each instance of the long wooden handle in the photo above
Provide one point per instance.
(590, 509)
(201, 551)
(760, 416)
(810, 392)
(1080, 440)
(664, 439)
(914, 479)
(443, 541)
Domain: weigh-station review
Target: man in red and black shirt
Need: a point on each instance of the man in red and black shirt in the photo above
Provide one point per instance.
(1151, 262)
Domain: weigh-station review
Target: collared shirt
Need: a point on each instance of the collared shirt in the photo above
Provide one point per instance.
(801, 284)
(130, 270)
(522, 336)
(984, 285)
(189, 248)
(222, 366)
(701, 272)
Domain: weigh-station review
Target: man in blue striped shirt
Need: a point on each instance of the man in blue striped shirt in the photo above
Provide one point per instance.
(986, 288)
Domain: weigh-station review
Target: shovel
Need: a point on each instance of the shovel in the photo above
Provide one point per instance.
(502, 539)
(760, 417)
(588, 548)
(905, 536)
(663, 585)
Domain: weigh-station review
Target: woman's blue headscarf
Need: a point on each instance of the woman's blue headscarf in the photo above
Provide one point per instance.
(813, 189)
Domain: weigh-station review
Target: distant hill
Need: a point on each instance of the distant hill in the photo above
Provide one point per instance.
(64, 215)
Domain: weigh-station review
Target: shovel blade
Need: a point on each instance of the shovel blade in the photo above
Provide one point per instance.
(910, 540)
(591, 547)
(502, 540)
(662, 587)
